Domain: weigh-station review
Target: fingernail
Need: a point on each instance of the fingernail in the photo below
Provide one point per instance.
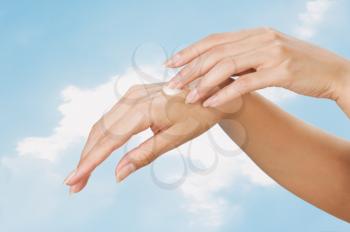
(66, 181)
(70, 191)
(125, 171)
(192, 96)
(211, 102)
(175, 60)
(168, 63)
(73, 189)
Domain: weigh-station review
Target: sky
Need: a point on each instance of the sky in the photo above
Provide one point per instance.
(64, 63)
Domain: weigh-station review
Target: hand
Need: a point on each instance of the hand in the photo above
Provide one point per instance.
(172, 121)
(259, 58)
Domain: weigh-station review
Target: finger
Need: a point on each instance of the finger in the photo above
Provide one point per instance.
(98, 131)
(196, 49)
(115, 114)
(244, 84)
(203, 63)
(81, 184)
(224, 70)
(136, 93)
(152, 148)
(118, 111)
(115, 137)
(94, 137)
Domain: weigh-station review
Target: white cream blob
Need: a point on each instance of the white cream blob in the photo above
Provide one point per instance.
(171, 92)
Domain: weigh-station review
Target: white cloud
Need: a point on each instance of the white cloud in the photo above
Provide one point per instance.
(79, 109)
(203, 191)
(311, 18)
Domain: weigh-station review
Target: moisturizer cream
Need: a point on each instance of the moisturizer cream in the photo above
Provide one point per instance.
(171, 92)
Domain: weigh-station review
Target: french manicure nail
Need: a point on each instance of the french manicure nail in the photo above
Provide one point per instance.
(211, 102)
(192, 96)
(175, 60)
(73, 189)
(125, 171)
(66, 181)
(168, 63)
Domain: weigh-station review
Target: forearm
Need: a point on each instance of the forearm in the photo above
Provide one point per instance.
(345, 106)
(310, 163)
(344, 102)
(342, 96)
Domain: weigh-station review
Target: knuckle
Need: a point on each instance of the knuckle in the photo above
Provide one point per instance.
(92, 162)
(246, 31)
(228, 62)
(267, 29)
(204, 61)
(117, 142)
(262, 29)
(279, 49)
(191, 69)
(210, 54)
(220, 49)
(135, 87)
(106, 146)
(272, 34)
(95, 127)
(202, 88)
(145, 157)
(184, 72)
(213, 37)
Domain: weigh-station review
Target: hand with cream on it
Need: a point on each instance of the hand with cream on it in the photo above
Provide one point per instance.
(145, 106)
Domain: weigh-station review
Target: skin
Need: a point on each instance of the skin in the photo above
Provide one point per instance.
(172, 121)
(308, 162)
(260, 58)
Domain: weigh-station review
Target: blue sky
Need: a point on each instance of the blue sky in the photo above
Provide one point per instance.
(57, 54)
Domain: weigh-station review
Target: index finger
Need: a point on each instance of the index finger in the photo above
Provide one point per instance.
(114, 138)
(189, 53)
(98, 131)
